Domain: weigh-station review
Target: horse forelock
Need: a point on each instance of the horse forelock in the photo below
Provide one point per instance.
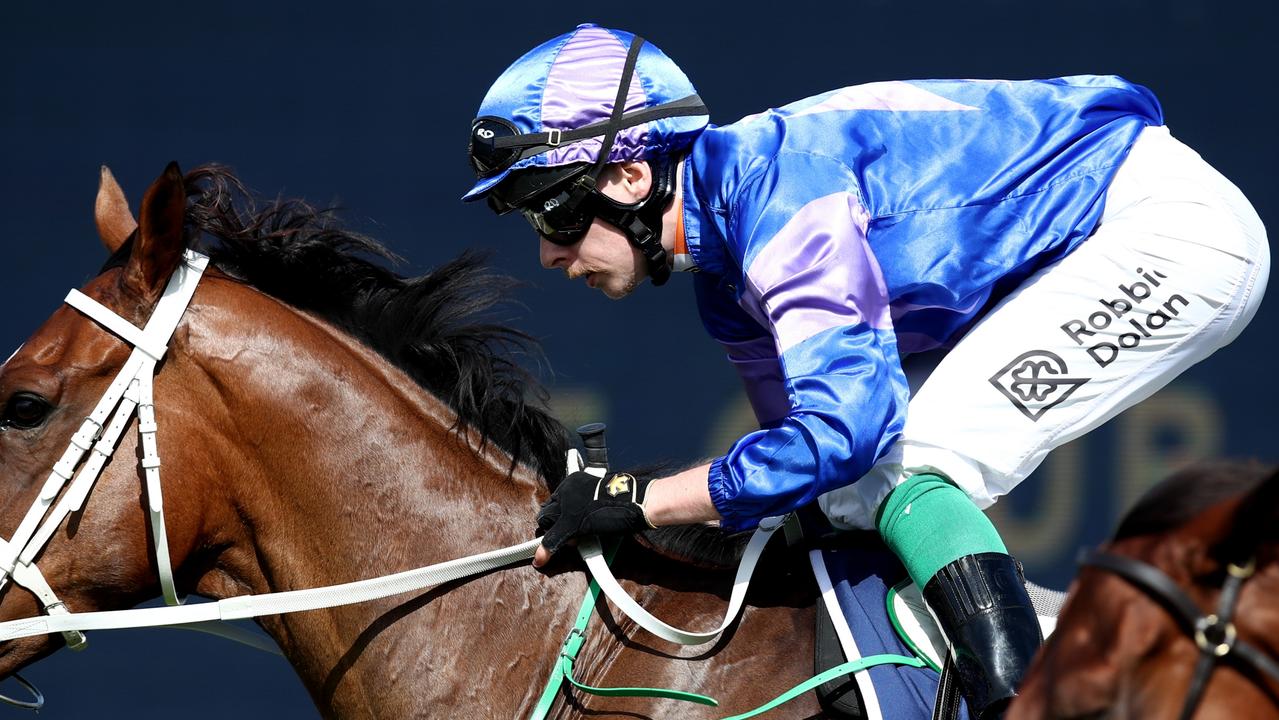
(1185, 494)
(437, 327)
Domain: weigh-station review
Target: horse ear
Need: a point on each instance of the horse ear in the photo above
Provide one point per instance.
(111, 213)
(157, 250)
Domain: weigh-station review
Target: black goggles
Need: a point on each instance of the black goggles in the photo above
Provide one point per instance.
(560, 223)
(560, 211)
(564, 215)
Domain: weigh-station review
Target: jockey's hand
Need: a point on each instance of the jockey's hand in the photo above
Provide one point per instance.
(586, 505)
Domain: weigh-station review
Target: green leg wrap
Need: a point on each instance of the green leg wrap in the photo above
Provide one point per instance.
(928, 523)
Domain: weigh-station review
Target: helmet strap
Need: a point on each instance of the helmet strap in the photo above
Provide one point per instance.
(642, 221)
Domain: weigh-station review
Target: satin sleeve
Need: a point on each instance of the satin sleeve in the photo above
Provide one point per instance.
(748, 345)
(811, 279)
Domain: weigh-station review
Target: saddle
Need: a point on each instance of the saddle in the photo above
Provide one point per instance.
(876, 637)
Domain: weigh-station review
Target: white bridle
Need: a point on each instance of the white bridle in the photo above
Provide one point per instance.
(98, 437)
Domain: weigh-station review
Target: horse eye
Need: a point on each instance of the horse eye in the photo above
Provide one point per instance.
(25, 410)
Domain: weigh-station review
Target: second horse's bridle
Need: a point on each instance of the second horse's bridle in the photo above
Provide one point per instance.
(1214, 633)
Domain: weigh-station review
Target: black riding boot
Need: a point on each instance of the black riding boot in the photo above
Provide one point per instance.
(981, 604)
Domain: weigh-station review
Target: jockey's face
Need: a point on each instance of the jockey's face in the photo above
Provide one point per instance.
(604, 255)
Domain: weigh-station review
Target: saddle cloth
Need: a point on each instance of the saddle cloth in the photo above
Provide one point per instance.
(873, 608)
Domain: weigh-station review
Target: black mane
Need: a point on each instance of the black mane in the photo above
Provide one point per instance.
(435, 327)
(1177, 500)
(698, 544)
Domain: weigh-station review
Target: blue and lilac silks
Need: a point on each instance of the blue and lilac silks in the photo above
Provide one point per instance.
(836, 235)
(840, 233)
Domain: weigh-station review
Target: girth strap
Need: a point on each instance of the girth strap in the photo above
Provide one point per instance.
(563, 668)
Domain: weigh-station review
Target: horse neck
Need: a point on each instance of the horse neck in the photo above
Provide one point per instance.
(338, 467)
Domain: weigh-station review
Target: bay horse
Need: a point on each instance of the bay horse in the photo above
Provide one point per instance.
(1178, 615)
(324, 420)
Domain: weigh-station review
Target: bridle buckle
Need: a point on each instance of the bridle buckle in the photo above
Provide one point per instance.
(571, 655)
(1245, 571)
(1224, 635)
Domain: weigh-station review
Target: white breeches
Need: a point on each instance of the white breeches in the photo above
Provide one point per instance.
(1174, 270)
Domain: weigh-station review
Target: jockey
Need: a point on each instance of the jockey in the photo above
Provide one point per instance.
(1051, 234)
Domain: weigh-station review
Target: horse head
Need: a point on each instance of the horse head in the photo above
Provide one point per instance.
(1126, 643)
(48, 388)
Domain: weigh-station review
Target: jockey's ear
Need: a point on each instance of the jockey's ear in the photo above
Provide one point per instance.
(157, 250)
(111, 213)
(628, 181)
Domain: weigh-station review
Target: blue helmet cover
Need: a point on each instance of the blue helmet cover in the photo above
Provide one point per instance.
(571, 81)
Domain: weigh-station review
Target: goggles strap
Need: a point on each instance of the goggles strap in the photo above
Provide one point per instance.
(528, 145)
(537, 143)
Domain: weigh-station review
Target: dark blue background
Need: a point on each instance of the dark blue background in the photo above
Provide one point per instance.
(369, 104)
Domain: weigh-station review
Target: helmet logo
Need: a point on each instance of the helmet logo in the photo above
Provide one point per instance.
(551, 204)
(484, 133)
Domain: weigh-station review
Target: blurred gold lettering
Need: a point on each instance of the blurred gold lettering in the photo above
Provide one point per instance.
(1178, 425)
(575, 406)
(735, 420)
(1039, 538)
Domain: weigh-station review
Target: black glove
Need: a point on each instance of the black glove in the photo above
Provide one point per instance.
(586, 505)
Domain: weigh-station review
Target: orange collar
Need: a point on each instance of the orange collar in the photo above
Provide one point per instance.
(681, 242)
